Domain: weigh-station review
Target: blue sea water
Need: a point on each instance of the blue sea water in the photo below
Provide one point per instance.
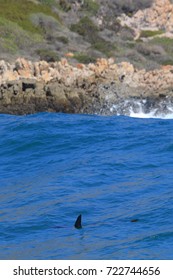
(110, 169)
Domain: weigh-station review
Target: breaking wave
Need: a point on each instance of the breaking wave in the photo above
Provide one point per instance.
(144, 108)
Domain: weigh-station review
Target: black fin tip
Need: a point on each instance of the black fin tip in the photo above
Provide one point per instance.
(78, 223)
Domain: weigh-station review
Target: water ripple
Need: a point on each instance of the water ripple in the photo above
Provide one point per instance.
(110, 169)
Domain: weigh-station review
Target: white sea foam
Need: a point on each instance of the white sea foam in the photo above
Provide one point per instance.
(151, 115)
(139, 109)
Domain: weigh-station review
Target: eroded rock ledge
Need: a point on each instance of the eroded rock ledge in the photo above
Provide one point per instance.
(102, 88)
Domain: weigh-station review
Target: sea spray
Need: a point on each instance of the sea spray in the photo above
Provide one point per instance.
(143, 108)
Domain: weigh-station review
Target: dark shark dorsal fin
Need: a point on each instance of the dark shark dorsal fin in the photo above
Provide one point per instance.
(78, 223)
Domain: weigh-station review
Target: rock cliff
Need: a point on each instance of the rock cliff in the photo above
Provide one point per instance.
(157, 17)
(82, 33)
(101, 88)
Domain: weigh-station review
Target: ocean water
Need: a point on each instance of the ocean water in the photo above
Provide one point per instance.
(110, 169)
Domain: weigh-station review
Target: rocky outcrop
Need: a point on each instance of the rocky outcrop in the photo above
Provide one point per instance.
(102, 88)
(28, 87)
(157, 17)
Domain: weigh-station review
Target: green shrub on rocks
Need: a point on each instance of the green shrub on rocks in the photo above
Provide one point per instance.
(48, 25)
(86, 28)
(103, 46)
(13, 37)
(167, 61)
(63, 39)
(84, 58)
(48, 55)
(166, 44)
(18, 11)
(64, 5)
(150, 33)
(163, 41)
(155, 53)
(150, 50)
(126, 33)
(90, 6)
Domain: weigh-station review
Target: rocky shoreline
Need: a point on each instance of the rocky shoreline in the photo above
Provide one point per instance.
(102, 88)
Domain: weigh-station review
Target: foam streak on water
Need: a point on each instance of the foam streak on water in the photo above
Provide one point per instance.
(110, 169)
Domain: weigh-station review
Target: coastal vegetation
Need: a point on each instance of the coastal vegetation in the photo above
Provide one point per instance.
(48, 29)
(18, 33)
(64, 5)
(84, 58)
(18, 11)
(48, 55)
(90, 6)
(150, 33)
(167, 45)
(13, 37)
(86, 28)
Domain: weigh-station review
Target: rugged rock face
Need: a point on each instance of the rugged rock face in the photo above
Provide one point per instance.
(101, 88)
(157, 17)
(90, 29)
